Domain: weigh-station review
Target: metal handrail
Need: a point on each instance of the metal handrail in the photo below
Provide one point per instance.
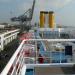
(8, 66)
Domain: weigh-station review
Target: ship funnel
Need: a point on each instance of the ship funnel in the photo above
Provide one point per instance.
(46, 19)
(51, 19)
(42, 19)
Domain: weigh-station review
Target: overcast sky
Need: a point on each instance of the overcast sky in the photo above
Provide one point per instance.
(64, 9)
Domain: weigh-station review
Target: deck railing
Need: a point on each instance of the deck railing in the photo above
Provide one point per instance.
(20, 57)
(7, 37)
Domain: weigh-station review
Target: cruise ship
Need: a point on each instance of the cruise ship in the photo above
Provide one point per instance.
(44, 50)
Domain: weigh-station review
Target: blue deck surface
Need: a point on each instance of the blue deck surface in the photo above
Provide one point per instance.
(56, 57)
(29, 72)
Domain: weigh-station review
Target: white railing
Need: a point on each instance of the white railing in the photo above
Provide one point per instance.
(11, 66)
(14, 66)
(7, 37)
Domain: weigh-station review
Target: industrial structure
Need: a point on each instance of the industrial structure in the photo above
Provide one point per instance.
(26, 17)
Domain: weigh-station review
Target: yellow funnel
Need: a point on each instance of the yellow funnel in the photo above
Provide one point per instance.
(51, 20)
(42, 19)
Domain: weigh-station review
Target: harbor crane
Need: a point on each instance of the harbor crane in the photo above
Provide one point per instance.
(25, 19)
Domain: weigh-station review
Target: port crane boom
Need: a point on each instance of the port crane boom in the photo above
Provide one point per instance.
(27, 16)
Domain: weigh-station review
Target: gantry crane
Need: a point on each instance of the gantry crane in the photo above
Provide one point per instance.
(26, 17)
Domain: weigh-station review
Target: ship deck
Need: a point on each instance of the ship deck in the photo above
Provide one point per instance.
(38, 56)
